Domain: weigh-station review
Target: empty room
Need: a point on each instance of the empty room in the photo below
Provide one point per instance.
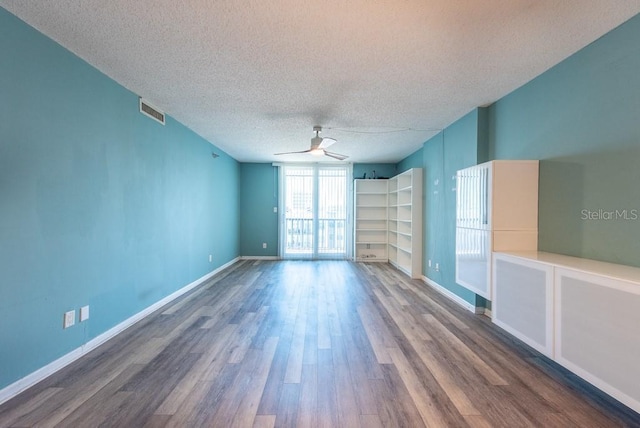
(369, 214)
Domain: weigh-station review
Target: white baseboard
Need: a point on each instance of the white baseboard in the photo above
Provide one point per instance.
(452, 296)
(42, 373)
(260, 258)
(31, 379)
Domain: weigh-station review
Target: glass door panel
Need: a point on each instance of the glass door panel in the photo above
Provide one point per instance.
(332, 212)
(298, 213)
(314, 200)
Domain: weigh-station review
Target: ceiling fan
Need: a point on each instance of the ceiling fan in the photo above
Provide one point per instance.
(319, 146)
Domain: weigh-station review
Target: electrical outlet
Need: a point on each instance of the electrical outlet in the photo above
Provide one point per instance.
(437, 267)
(84, 313)
(69, 319)
(429, 262)
(210, 258)
(275, 209)
(264, 245)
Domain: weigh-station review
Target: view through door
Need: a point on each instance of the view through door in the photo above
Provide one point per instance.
(314, 205)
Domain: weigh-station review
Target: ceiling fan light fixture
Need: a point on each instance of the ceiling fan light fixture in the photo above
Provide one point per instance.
(316, 141)
(319, 146)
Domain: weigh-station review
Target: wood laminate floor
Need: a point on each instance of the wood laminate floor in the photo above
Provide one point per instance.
(313, 344)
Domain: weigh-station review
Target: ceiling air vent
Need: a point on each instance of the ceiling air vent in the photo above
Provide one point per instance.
(149, 110)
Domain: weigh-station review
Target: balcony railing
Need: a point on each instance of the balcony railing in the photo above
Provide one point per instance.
(331, 236)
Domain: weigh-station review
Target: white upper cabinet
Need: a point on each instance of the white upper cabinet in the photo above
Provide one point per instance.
(496, 210)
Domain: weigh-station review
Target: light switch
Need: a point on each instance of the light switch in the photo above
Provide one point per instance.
(69, 319)
(84, 313)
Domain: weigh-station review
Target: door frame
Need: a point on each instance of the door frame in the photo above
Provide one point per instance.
(317, 166)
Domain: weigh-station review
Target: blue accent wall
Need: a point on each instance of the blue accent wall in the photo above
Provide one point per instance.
(258, 222)
(100, 205)
(456, 147)
(581, 119)
(415, 160)
(386, 170)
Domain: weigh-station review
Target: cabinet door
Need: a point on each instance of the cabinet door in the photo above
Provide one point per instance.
(473, 257)
(473, 197)
(597, 332)
(514, 195)
(523, 300)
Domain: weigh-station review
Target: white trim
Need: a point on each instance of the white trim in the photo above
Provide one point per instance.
(42, 373)
(259, 258)
(486, 312)
(452, 296)
(31, 379)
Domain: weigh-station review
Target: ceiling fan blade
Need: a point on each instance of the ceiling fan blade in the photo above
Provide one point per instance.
(292, 153)
(326, 142)
(335, 155)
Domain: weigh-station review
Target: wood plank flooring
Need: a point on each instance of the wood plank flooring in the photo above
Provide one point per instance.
(313, 344)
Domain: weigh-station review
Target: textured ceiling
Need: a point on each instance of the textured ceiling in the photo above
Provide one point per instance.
(254, 77)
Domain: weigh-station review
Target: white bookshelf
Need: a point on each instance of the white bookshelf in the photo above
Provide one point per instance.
(370, 226)
(405, 222)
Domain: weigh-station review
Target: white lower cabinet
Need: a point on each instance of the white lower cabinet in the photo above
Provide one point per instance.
(598, 332)
(523, 300)
(583, 314)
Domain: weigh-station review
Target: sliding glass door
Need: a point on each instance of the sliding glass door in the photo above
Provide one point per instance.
(314, 207)
(296, 223)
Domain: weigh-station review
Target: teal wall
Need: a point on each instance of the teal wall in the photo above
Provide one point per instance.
(581, 119)
(101, 205)
(414, 160)
(258, 222)
(456, 147)
(386, 170)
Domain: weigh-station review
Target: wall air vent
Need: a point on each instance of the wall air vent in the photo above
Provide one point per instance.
(149, 110)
